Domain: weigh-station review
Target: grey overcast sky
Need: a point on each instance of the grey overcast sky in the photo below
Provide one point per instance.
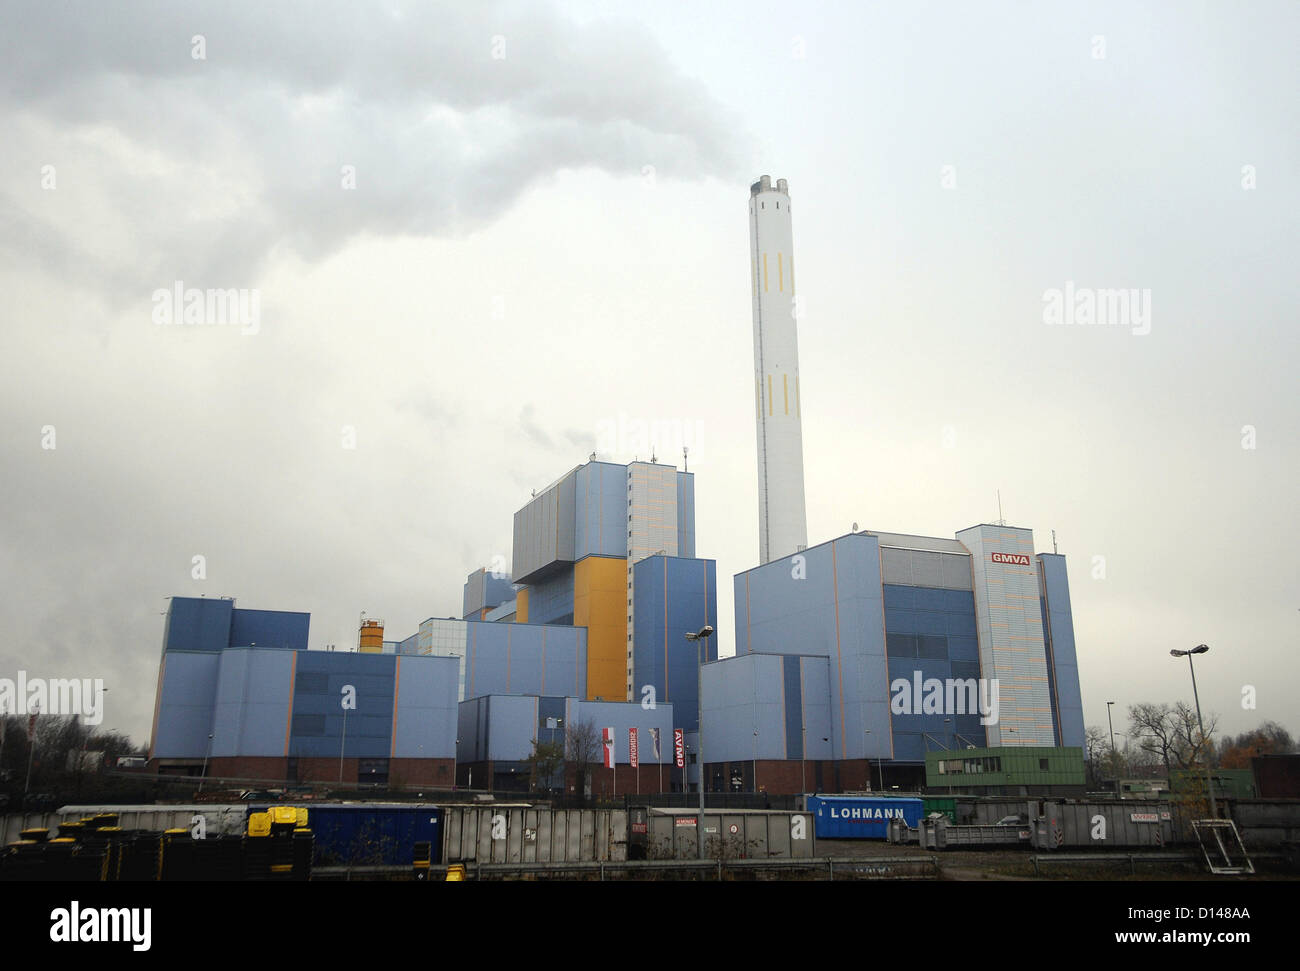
(482, 235)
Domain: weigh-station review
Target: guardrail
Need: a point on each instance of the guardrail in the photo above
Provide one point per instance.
(823, 868)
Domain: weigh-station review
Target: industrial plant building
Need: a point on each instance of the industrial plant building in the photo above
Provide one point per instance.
(929, 644)
(591, 624)
(857, 660)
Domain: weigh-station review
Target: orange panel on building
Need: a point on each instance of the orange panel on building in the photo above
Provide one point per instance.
(600, 605)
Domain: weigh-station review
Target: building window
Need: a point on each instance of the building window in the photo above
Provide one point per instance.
(1042, 765)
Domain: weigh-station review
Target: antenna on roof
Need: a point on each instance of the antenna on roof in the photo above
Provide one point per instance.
(1053, 541)
(1001, 521)
(653, 458)
(854, 529)
(686, 467)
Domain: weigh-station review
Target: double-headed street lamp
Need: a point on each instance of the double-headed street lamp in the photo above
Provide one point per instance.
(700, 637)
(1200, 649)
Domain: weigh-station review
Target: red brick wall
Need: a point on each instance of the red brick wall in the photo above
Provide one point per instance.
(782, 776)
(420, 772)
(326, 770)
(259, 768)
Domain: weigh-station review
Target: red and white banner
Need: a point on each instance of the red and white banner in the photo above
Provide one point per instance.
(631, 747)
(1015, 559)
(679, 747)
(607, 736)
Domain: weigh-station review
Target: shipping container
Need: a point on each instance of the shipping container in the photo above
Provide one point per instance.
(744, 834)
(360, 833)
(522, 834)
(1104, 825)
(861, 817)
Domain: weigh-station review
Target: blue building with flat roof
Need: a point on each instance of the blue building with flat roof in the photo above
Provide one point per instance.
(931, 644)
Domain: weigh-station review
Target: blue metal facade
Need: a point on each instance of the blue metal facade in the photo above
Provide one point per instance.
(601, 504)
(785, 698)
(620, 716)
(200, 624)
(269, 628)
(426, 708)
(249, 699)
(831, 601)
(930, 633)
(826, 601)
(551, 601)
(186, 699)
(197, 624)
(686, 514)
(1063, 663)
(252, 702)
(501, 728)
(674, 596)
(318, 714)
(524, 659)
(484, 589)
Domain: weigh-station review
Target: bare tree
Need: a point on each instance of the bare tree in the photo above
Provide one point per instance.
(582, 743)
(1150, 728)
(1191, 747)
(1172, 733)
(1097, 752)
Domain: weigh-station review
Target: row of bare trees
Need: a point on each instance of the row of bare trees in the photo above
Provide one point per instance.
(64, 754)
(1161, 737)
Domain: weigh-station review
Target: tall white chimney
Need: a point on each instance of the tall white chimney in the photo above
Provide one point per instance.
(782, 520)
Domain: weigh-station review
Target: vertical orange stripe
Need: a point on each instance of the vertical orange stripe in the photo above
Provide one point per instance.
(397, 690)
(157, 703)
(769, 394)
(288, 718)
(839, 662)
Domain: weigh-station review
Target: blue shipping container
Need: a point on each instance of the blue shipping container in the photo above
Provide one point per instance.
(860, 817)
(361, 834)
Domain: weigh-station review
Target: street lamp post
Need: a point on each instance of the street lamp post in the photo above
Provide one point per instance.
(204, 774)
(755, 753)
(1114, 759)
(700, 638)
(343, 741)
(1200, 649)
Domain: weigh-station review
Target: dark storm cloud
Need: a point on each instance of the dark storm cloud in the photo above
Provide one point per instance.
(445, 112)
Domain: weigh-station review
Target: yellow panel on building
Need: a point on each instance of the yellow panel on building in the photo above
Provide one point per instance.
(600, 605)
(521, 607)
